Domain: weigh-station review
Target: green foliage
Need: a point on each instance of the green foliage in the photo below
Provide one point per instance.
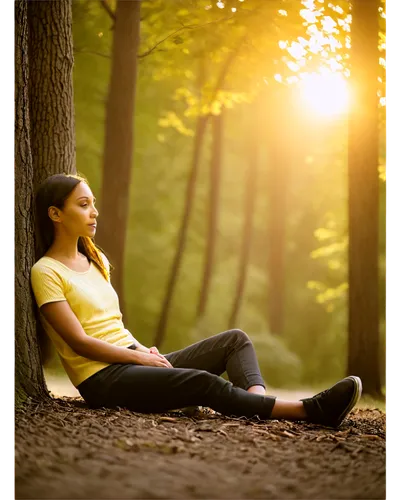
(279, 366)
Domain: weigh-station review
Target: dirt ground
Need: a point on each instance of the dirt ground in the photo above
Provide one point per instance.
(63, 450)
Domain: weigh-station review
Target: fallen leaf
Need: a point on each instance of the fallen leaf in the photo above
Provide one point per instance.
(167, 419)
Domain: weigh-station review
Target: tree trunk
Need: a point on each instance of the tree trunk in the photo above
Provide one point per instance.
(215, 174)
(199, 136)
(279, 154)
(44, 145)
(190, 191)
(51, 102)
(363, 346)
(29, 380)
(118, 148)
(249, 200)
(51, 99)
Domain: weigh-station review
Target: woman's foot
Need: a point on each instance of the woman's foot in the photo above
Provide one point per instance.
(331, 406)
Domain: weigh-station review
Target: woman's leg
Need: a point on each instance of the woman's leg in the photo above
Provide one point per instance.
(231, 351)
(149, 389)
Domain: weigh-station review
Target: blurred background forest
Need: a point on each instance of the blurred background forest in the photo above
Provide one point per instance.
(238, 188)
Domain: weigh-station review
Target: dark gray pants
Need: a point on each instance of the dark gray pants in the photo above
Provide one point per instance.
(194, 380)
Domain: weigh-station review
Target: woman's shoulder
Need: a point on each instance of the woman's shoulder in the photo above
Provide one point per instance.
(42, 263)
(48, 281)
(46, 265)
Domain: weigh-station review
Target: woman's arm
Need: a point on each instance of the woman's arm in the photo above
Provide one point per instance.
(66, 324)
(140, 347)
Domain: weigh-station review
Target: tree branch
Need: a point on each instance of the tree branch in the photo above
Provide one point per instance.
(149, 51)
(187, 27)
(108, 9)
(84, 51)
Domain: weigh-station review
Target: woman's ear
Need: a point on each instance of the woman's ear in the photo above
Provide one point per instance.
(54, 214)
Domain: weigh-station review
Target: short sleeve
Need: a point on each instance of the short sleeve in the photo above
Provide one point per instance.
(47, 285)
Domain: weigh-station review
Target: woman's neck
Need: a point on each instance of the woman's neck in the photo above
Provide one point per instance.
(65, 248)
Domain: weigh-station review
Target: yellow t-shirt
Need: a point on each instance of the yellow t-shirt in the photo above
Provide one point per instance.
(94, 302)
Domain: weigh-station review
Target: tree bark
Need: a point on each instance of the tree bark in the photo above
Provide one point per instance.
(249, 201)
(44, 145)
(118, 148)
(363, 320)
(29, 379)
(51, 99)
(215, 175)
(51, 102)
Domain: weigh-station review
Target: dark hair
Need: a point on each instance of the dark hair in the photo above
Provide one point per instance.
(54, 191)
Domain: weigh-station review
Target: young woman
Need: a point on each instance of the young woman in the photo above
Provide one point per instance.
(80, 312)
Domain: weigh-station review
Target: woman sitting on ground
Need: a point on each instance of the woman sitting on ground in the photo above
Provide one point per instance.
(80, 312)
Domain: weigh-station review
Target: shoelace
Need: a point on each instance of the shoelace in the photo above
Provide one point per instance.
(318, 397)
(321, 394)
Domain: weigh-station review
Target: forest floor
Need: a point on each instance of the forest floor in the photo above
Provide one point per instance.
(63, 450)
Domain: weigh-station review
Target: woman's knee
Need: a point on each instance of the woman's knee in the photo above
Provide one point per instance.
(239, 336)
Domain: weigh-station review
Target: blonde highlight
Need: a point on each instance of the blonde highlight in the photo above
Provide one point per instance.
(92, 252)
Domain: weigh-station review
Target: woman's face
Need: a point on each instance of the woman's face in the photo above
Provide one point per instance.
(78, 217)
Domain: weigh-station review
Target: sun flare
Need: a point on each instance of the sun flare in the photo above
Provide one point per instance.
(325, 94)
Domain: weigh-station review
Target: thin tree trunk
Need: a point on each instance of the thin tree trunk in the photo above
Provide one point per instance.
(29, 379)
(190, 191)
(249, 201)
(279, 148)
(215, 175)
(363, 345)
(199, 136)
(119, 133)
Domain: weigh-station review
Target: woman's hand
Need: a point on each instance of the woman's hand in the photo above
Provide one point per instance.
(153, 359)
(154, 350)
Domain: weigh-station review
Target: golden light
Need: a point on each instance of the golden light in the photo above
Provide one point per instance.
(319, 72)
(325, 94)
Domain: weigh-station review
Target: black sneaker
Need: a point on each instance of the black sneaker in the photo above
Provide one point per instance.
(331, 406)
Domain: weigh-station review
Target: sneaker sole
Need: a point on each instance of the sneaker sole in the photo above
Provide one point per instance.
(354, 400)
